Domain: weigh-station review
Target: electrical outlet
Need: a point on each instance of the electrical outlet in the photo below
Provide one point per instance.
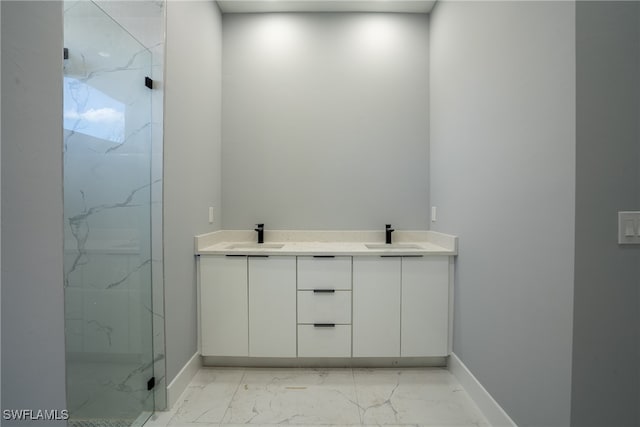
(434, 214)
(210, 214)
(629, 228)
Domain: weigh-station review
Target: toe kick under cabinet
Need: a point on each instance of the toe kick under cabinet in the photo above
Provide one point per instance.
(325, 306)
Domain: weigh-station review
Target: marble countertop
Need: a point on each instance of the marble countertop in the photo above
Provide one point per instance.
(326, 243)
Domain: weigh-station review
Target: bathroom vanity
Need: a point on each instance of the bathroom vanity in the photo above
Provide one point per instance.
(344, 295)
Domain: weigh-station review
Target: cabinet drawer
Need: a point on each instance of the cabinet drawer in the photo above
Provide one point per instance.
(314, 341)
(324, 307)
(324, 273)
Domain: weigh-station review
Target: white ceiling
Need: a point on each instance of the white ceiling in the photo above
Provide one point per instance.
(256, 6)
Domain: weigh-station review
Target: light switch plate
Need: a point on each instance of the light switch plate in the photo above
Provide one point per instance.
(629, 228)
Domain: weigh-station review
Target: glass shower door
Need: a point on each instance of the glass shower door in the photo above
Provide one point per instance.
(107, 193)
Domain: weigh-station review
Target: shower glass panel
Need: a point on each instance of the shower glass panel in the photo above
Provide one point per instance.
(107, 190)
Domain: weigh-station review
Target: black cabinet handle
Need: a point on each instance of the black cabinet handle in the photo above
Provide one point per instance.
(324, 291)
(324, 256)
(258, 256)
(324, 325)
(235, 255)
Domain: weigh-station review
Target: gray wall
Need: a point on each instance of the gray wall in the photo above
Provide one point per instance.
(33, 364)
(502, 178)
(606, 358)
(325, 121)
(192, 173)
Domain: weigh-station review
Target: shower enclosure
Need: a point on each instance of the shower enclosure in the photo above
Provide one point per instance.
(107, 208)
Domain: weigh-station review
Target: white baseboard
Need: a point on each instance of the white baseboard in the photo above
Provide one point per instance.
(493, 412)
(179, 384)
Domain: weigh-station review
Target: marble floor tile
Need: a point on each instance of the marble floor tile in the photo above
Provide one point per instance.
(208, 396)
(230, 397)
(295, 396)
(417, 396)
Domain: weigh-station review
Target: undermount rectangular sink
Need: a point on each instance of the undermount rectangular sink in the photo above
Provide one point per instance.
(256, 246)
(392, 246)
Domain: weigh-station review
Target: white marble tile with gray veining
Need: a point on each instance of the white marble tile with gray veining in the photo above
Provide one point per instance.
(208, 396)
(108, 187)
(312, 397)
(418, 396)
(295, 396)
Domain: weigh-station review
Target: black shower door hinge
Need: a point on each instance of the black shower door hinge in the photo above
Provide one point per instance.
(148, 82)
(151, 383)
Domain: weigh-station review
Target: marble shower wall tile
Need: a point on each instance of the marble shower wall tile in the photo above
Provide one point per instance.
(104, 391)
(113, 198)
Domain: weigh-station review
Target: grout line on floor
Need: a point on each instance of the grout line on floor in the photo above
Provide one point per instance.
(355, 390)
(244, 373)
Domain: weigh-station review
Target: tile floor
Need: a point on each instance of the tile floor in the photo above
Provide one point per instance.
(346, 397)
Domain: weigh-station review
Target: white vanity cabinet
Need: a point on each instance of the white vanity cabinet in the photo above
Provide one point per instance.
(224, 309)
(401, 306)
(287, 306)
(272, 306)
(324, 306)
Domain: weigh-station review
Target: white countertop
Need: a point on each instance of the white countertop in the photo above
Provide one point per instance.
(326, 243)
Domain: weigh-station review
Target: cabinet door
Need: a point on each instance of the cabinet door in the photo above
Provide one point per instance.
(376, 307)
(224, 309)
(425, 306)
(272, 306)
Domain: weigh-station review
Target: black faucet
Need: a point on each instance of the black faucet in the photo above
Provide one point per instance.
(260, 231)
(388, 231)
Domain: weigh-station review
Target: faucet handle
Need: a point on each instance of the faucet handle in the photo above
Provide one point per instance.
(260, 225)
(388, 227)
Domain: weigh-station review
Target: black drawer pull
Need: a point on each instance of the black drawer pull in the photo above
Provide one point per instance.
(324, 256)
(235, 255)
(324, 325)
(324, 291)
(258, 256)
